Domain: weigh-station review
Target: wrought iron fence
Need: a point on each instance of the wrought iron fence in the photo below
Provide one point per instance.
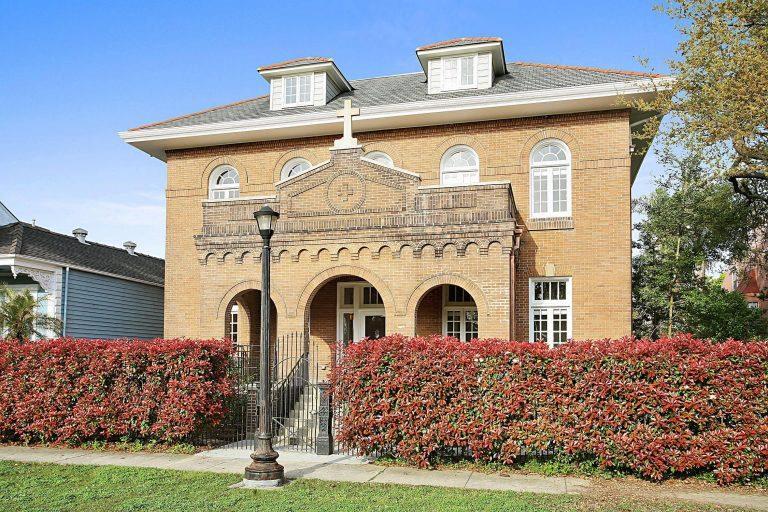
(297, 370)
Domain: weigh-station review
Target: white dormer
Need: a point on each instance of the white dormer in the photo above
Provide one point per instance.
(302, 82)
(463, 63)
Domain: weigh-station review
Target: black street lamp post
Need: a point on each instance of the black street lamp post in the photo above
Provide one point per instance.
(264, 471)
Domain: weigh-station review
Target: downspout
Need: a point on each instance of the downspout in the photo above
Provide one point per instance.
(65, 294)
(512, 319)
(513, 262)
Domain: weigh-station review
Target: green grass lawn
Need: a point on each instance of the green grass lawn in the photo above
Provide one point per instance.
(47, 487)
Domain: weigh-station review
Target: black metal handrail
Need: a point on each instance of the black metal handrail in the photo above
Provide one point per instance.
(288, 390)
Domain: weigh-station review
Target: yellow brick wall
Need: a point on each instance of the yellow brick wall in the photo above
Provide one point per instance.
(596, 251)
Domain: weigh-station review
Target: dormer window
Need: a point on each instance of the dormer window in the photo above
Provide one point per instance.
(302, 82)
(298, 90)
(459, 72)
(463, 63)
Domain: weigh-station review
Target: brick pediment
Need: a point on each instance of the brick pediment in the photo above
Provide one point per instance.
(347, 185)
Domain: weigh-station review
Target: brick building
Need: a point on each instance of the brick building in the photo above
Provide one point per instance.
(475, 198)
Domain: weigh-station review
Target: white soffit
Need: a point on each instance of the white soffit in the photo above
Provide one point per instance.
(155, 141)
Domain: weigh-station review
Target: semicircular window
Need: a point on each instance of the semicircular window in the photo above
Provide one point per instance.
(224, 183)
(294, 167)
(459, 166)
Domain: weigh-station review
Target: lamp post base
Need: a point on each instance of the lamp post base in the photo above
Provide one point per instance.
(257, 484)
(264, 471)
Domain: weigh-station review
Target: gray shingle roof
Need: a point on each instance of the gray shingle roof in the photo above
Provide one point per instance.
(412, 87)
(459, 41)
(301, 61)
(28, 240)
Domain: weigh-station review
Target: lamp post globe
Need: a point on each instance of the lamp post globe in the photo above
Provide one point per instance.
(266, 218)
(264, 471)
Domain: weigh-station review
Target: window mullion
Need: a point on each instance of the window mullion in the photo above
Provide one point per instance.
(551, 327)
(550, 191)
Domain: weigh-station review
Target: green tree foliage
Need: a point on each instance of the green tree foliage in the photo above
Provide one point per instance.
(718, 103)
(691, 223)
(712, 312)
(20, 316)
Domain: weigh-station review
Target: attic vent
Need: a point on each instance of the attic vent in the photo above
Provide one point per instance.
(130, 247)
(80, 234)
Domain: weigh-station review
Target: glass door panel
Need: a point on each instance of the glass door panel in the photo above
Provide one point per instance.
(374, 326)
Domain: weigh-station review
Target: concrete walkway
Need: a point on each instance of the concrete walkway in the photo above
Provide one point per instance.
(345, 468)
(340, 468)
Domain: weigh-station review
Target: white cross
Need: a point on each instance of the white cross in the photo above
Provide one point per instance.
(347, 141)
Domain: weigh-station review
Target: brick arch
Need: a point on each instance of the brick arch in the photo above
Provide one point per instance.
(251, 284)
(311, 288)
(462, 140)
(441, 279)
(310, 154)
(550, 133)
(224, 160)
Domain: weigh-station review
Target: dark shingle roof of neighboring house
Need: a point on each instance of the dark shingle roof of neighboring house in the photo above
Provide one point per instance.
(27, 240)
(412, 87)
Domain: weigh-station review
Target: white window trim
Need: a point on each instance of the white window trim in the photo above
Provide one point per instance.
(390, 162)
(458, 170)
(444, 87)
(233, 322)
(213, 187)
(550, 304)
(357, 308)
(568, 163)
(291, 163)
(462, 308)
(298, 103)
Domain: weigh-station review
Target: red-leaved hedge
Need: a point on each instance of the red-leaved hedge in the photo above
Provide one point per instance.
(670, 407)
(73, 390)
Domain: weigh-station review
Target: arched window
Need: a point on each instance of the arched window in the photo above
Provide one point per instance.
(380, 157)
(550, 179)
(459, 166)
(225, 183)
(294, 167)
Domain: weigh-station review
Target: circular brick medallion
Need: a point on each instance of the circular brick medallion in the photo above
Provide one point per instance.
(345, 192)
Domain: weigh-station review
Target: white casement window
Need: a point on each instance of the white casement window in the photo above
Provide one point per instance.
(459, 166)
(460, 318)
(459, 72)
(380, 157)
(233, 313)
(298, 90)
(224, 183)
(551, 179)
(551, 318)
(294, 167)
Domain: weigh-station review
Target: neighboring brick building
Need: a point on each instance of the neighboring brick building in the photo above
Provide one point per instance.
(752, 283)
(476, 198)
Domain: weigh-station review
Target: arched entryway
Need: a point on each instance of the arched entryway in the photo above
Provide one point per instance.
(449, 310)
(242, 321)
(346, 308)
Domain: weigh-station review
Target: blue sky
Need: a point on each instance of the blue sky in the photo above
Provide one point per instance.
(76, 73)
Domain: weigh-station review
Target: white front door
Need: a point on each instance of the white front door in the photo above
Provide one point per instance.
(360, 312)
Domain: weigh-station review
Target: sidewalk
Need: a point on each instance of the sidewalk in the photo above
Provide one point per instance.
(345, 468)
(340, 468)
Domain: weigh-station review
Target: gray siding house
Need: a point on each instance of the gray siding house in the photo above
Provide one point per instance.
(96, 290)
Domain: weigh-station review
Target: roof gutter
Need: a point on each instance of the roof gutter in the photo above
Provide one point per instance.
(156, 141)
